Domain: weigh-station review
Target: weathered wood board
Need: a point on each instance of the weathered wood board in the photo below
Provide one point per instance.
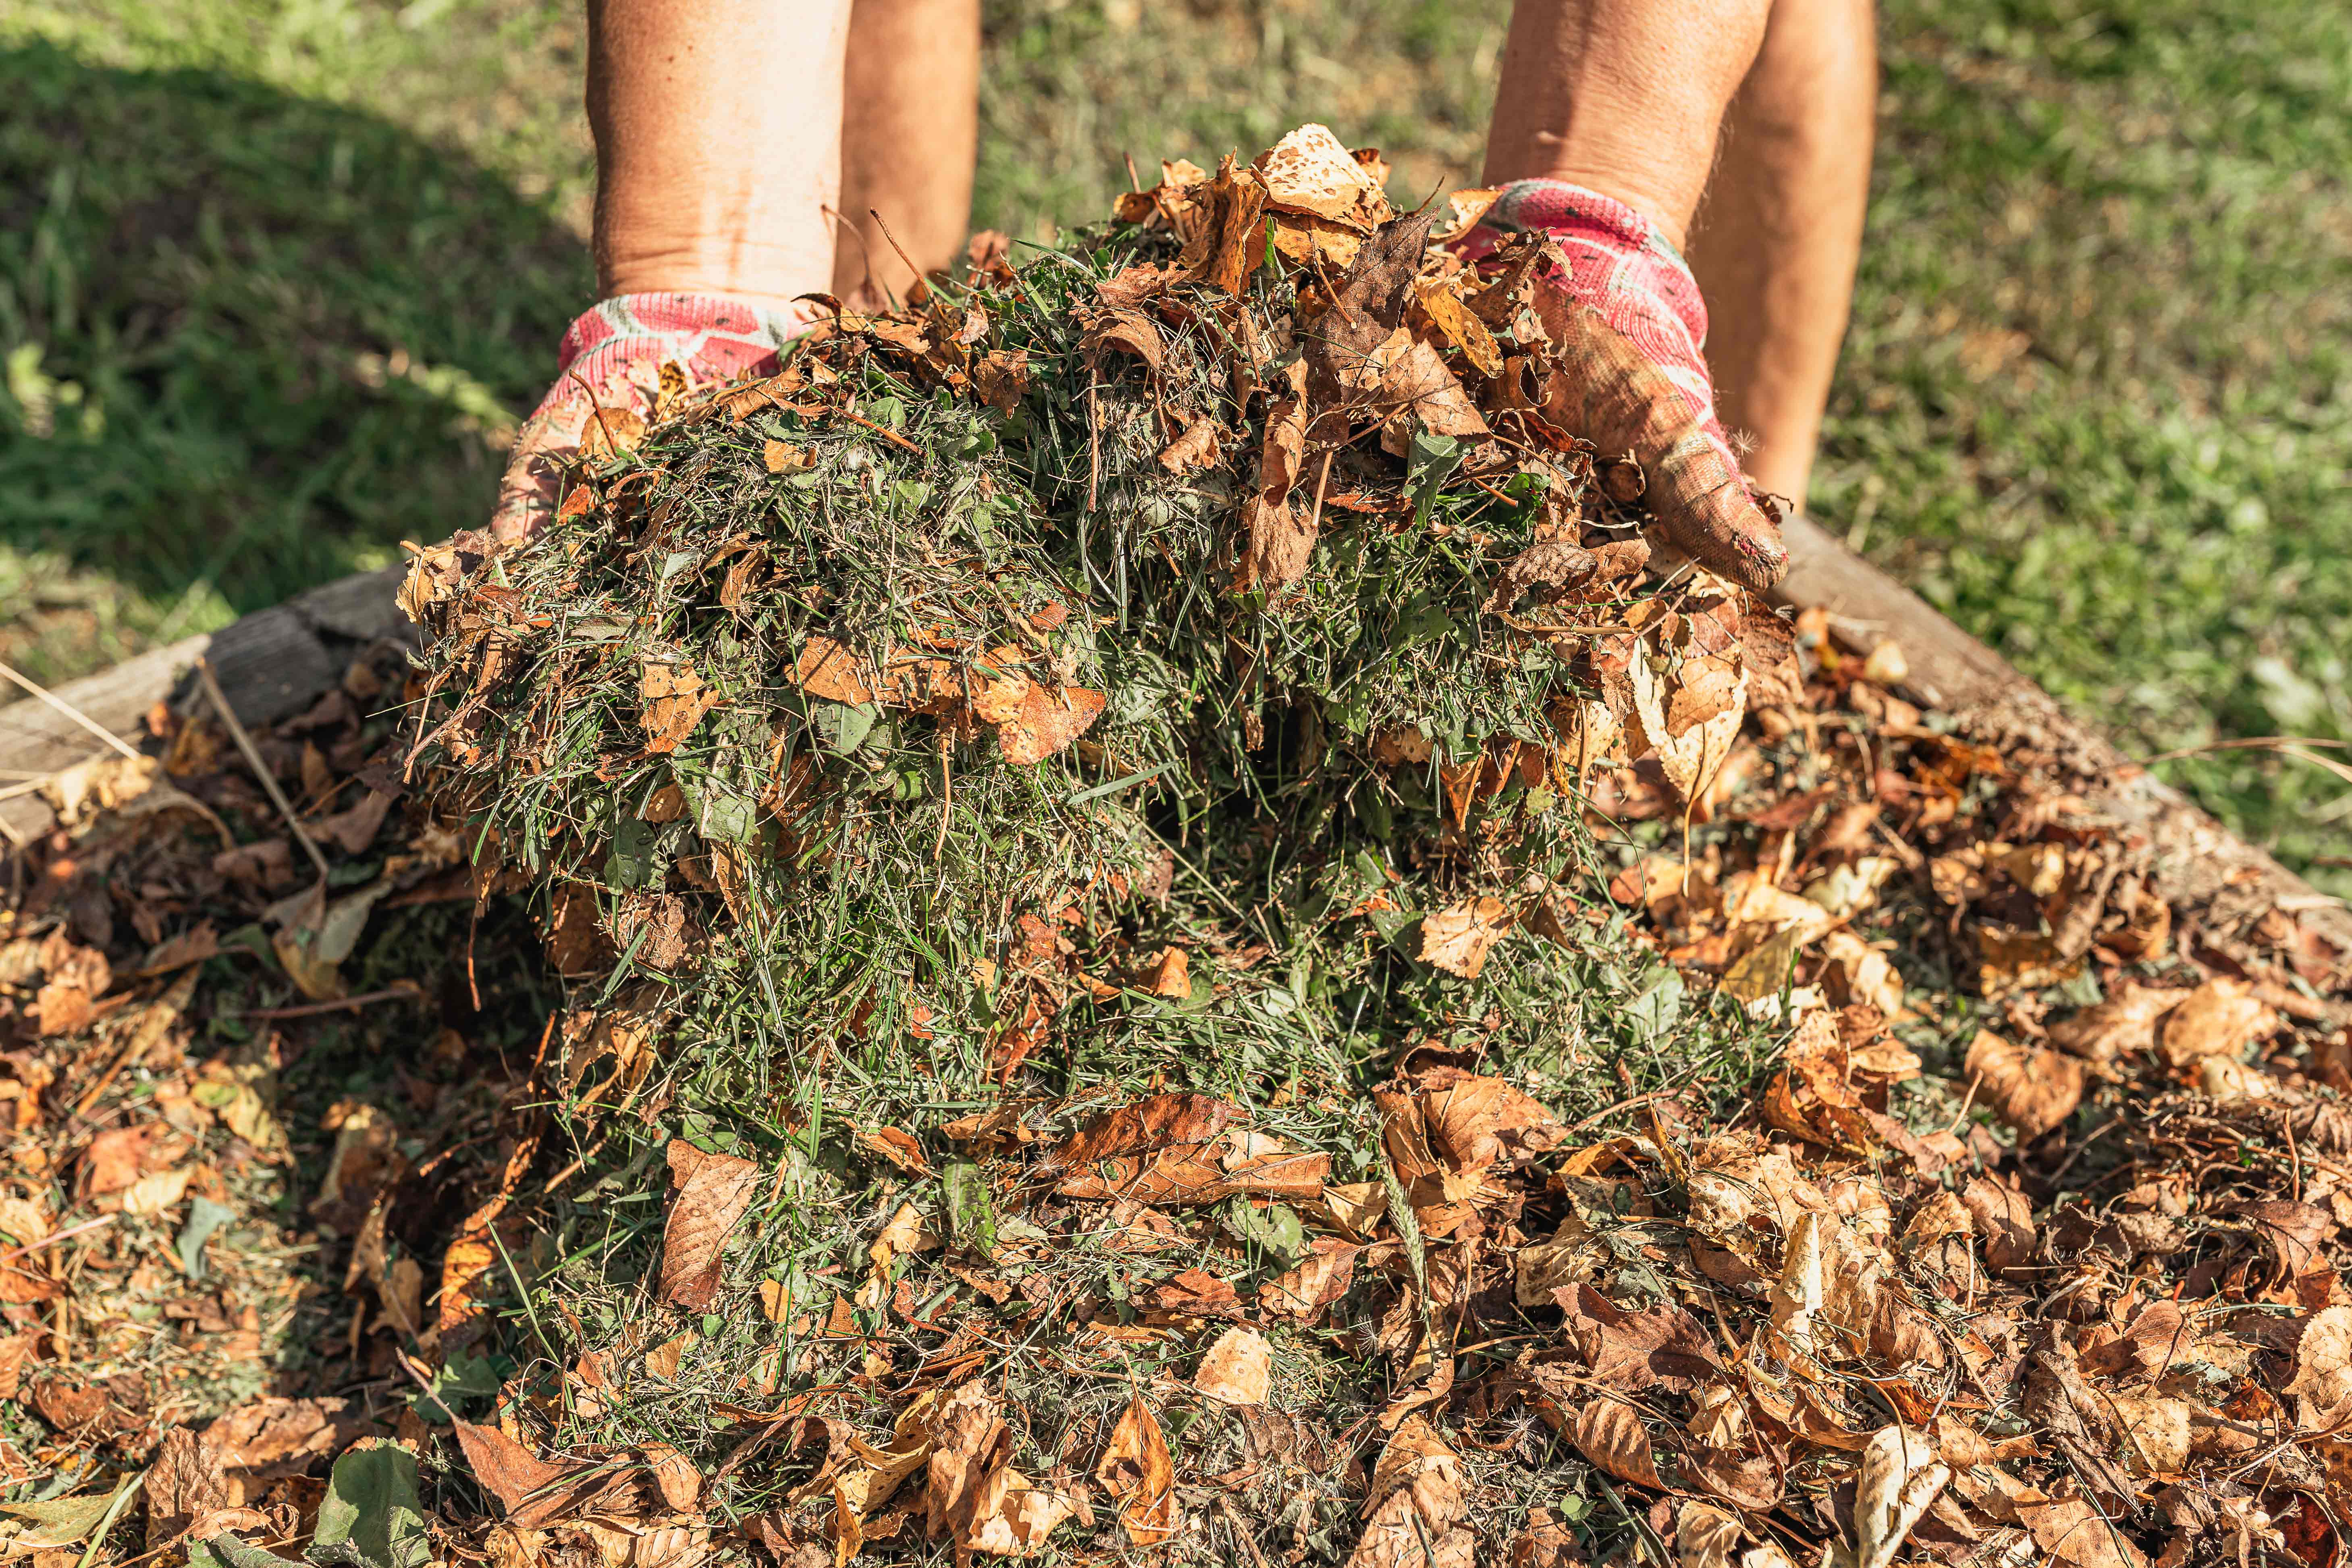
(270, 664)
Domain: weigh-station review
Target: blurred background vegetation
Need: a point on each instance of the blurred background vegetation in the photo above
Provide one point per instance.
(275, 273)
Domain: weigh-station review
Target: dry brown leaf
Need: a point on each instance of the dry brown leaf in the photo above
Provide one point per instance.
(1170, 974)
(2323, 1365)
(1900, 1477)
(1415, 381)
(1158, 1121)
(116, 1159)
(1704, 1536)
(2004, 1220)
(2031, 1088)
(1001, 377)
(237, 1460)
(1441, 301)
(1612, 1437)
(2220, 1018)
(1312, 172)
(1130, 332)
(1415, 1515)
(1559, 563)
(2075, 1535)
(1278, 539)
(674, 1473)
(534, 1491)
(1236, 1369)
(159, 1193)
(1457, 939)
(713, 1191)
(974, 1498)
(1326, 1275)
(1690, 717)
(352, 830)
(827, 669)
(674, 702)
(1660, 1347)
(1477, 1119)
(1195, 448)
(2123, 1024)
(1048, 719)
(1135, 1468)
(2155, 1433)
(895, 1145)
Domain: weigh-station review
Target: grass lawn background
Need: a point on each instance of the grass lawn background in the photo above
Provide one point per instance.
(270, 268)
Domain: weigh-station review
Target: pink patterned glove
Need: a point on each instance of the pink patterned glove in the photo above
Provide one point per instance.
(610, 368)
(1632, 331)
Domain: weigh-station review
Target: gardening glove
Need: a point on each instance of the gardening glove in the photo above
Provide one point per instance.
(610, 375)
(1633, 335)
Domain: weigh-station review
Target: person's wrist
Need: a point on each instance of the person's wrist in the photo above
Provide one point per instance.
(1631, 174)
(758, 294)
(727, 266)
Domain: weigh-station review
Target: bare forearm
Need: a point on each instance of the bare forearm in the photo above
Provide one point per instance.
(717, 144)
(1626, 97)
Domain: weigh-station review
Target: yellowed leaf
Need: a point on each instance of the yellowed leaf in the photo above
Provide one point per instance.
(1457, 939)
(1612, 1437)
(674, 702)
(2220, 1018)
(713, 1191)
(2031, 1088)
(1311, 171)
(1135, 1468)
(1237, 1368)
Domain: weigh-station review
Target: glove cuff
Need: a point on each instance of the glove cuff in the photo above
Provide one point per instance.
(715, 337)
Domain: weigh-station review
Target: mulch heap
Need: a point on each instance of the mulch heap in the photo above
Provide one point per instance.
(1125, 914)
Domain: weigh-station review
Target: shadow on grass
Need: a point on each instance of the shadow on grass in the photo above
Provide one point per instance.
(250, 341)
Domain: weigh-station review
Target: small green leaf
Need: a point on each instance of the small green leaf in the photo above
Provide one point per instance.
(1431, 460)
(633, 861)
(1273, 1228)
(60, 1520)
(970, 1216)
(456, 1383)
(230, 1552)
(842, 727)
(371, 1517)
(204, 1216)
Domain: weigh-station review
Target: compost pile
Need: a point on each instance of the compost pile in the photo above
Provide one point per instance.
(1166, 935)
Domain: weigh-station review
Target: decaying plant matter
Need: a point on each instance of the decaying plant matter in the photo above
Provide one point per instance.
(1170, 940)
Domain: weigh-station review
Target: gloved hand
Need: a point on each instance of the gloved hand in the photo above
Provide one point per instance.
(609, 371)
(1633, 330)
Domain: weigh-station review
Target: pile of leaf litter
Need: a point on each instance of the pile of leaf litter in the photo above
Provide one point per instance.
(205, 1121)
(1162, 943)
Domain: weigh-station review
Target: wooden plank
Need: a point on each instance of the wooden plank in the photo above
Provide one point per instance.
(271, 664)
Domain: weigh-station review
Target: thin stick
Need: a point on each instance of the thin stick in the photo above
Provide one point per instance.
(893, 238)
(947, 795)
(1314, 520)
(339, 1003)
(253, 760)
(2252, 742)
(842, 224)
(882, 430)
(31, 1247)
(71, 711)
